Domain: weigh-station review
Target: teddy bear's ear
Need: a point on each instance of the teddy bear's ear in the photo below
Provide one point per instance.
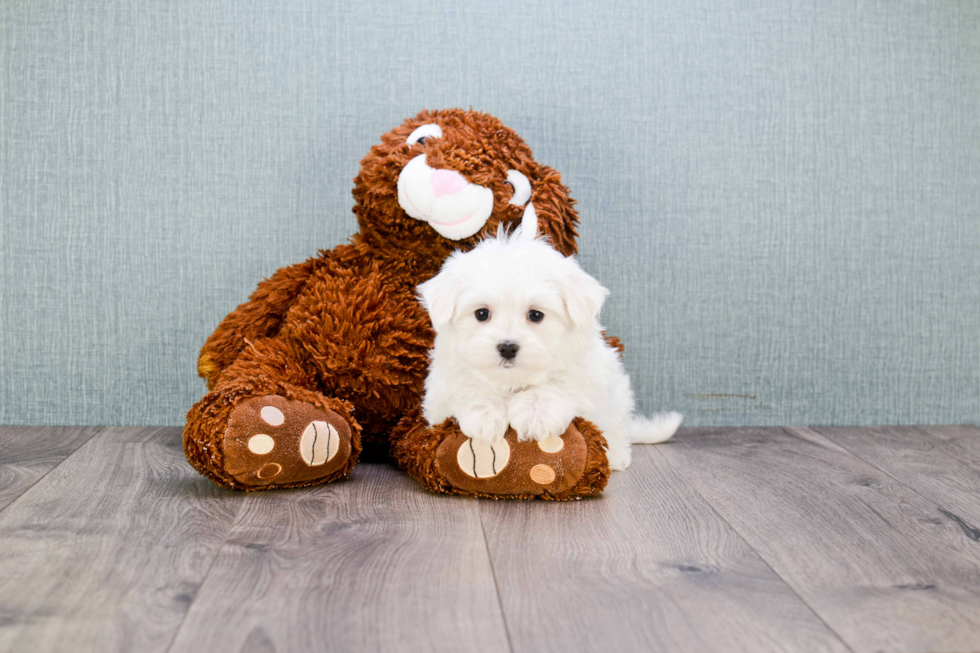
(556, 216)
(583, 295)
(440, 294)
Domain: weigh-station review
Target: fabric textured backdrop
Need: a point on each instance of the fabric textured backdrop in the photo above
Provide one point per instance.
(782, 196)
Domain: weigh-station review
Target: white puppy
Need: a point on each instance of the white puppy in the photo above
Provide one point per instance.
(518, 343)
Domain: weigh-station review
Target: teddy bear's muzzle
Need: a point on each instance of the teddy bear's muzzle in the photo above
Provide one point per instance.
(453, 206)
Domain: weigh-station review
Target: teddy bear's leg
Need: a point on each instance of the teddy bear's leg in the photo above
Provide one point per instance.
(442, 459)
(263, 426)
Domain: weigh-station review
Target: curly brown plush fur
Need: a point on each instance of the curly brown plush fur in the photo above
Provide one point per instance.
(343, 330)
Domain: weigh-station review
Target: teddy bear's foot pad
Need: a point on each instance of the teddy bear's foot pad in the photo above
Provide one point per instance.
(512, 468)
(272, 441)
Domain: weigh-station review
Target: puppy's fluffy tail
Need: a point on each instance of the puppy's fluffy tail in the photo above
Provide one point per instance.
(659, 428)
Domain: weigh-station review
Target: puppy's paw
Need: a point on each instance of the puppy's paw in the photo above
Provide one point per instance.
(539, 415)
(484, 420)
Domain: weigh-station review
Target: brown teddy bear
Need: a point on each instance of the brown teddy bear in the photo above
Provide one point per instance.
(326, 361)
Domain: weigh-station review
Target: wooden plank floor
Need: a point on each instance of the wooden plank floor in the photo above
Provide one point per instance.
(748, 539)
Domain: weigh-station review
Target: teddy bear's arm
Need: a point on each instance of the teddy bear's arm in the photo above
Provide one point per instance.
(259, 317)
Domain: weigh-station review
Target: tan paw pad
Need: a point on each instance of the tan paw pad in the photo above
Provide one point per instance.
(261, 444)
(319, 443)
(269, 471)
(542, 474)
(272, 416)
(480, 459)
(552, 444)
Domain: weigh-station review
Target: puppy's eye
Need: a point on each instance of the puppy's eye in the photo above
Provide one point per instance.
(422, 133)
(521, 186)
(535, 316)
(482, 314)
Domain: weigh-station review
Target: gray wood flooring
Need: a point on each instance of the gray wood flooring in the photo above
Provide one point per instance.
(724, 539)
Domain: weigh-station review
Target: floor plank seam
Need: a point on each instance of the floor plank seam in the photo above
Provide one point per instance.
(197, 593)
(493, 574)
(966, 528)
(816, 614)
(101, 429)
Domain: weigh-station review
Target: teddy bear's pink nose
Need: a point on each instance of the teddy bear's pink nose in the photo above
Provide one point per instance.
(447, 182)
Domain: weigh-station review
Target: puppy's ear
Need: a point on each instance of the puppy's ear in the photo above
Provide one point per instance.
(583, 296)
(439, 296)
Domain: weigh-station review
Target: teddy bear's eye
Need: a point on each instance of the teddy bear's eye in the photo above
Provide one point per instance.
(482, 314)
(424, 132)
(535, 316)
(521, 186)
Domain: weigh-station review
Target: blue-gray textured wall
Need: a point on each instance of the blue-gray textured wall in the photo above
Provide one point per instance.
(783, 196)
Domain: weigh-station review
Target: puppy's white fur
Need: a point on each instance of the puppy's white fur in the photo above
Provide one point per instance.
(563, 367)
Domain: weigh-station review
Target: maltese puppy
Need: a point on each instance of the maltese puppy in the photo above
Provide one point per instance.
(518, 343)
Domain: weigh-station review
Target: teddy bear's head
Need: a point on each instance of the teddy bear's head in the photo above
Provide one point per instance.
(443, 180)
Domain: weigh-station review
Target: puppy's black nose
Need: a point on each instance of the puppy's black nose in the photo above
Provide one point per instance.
(508, 350)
